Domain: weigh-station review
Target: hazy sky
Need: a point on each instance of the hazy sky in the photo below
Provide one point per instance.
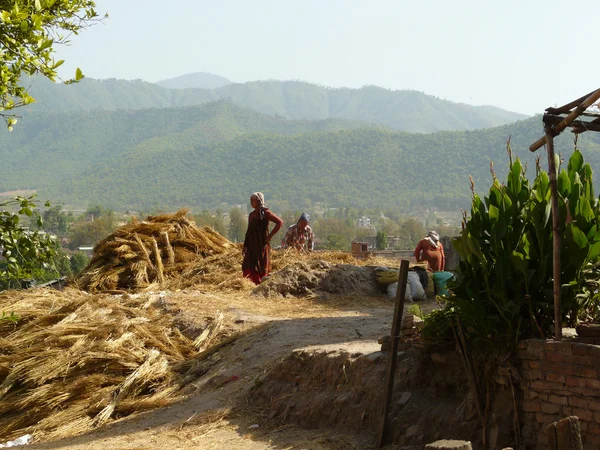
(521, 55)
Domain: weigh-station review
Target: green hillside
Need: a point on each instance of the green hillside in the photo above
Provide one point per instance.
(202, 156)
(401, 110)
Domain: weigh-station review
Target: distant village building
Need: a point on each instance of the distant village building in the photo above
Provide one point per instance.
(364, 222)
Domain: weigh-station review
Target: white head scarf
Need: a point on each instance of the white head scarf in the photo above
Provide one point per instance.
(259, 197)
(433, 238)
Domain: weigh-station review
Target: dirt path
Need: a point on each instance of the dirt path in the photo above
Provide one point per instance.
(215, 414)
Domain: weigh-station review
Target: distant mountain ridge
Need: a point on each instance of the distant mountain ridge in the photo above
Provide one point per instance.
(410, 111)
(200, 156)
(201, 80)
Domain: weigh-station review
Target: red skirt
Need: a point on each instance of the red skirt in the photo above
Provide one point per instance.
(253, 275)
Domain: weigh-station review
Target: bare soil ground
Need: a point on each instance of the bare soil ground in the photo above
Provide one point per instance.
(216, 412)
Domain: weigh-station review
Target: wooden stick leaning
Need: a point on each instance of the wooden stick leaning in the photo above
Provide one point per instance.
(393, 355)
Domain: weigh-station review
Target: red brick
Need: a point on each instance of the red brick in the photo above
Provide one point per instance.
(580, 349)
(558, 400)
(592, 383)
(531, 406)
(534, 364)
(555, 346)
(586, 372)
(540, 385)
(597, 416)
(581, 360)
(594, 351)
(524, 354)
(593, 405)
(579, 402)
(576, 382)
(534, 345)
(532, 374)
(567, 411)
(550, 408)
(528, 394)
(555, 377)
(594, 429)
(554, 357)
(583, 414)
(562, 368)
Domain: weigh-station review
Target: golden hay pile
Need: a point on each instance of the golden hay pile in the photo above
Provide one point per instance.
(74, 361)
(149, 253)
(224, 271)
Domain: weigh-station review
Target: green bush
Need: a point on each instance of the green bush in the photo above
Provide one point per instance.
(503, 289)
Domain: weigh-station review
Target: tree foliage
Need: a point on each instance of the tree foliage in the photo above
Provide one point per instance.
(29, 33)
(503, 292)
(381, 240)
(25, 253)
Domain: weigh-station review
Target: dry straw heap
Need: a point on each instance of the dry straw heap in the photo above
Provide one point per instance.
(74, 361)
(149, 253)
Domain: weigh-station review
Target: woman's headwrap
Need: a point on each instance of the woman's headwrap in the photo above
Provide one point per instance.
(259, 197)
(433, 238)
(304, 217)
(433, 235)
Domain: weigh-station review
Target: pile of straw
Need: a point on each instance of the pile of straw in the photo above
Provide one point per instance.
(224, 271)
(149, 253)
(74, 361)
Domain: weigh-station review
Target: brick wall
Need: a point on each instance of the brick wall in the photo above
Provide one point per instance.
(559, 379)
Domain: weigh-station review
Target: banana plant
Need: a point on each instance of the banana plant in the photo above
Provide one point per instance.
(503, 288)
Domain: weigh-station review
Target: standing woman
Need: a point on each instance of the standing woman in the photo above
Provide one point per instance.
(256, 251)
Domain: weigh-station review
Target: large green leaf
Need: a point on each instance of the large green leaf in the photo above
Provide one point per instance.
(583, 212)
(563, 183)
(576, 161)
(578, 236)
(594, 252)
(519, 262)
(493, 213)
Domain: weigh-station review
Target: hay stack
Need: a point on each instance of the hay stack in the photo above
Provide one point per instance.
(74, 361)
(141, 254)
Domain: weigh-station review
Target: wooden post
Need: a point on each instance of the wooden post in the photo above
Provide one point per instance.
(565, 434)
(393, 356)
(555, 234)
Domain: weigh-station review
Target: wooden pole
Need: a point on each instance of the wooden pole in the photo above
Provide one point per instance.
(555, 234)
(393, 356)
(565, 434)
(593, 98)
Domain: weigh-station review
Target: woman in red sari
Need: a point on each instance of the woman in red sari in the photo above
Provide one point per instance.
(256, 251)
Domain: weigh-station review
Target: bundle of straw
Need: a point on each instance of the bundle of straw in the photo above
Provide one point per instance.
(140, 255)
(74, 361)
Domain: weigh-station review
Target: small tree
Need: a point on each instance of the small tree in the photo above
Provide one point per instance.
(29, 33)
(25, 253)
(381, 240)
(237, 224)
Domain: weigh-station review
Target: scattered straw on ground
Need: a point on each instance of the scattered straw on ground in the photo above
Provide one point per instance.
(75, 361)
(141, 254)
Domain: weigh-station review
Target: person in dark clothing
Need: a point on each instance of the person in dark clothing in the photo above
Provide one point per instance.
(256, 251)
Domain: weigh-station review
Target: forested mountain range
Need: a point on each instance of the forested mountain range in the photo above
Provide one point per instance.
(410, 111)
(204, 155)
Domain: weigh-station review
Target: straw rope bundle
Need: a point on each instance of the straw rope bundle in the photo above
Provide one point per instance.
(142, 254)
(75, 361)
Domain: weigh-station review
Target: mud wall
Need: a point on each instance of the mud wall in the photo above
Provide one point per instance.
(559, 379)
(431, 397)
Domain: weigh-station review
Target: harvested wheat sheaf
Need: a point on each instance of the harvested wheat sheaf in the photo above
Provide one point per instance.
(74, 361)
(148, 254)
